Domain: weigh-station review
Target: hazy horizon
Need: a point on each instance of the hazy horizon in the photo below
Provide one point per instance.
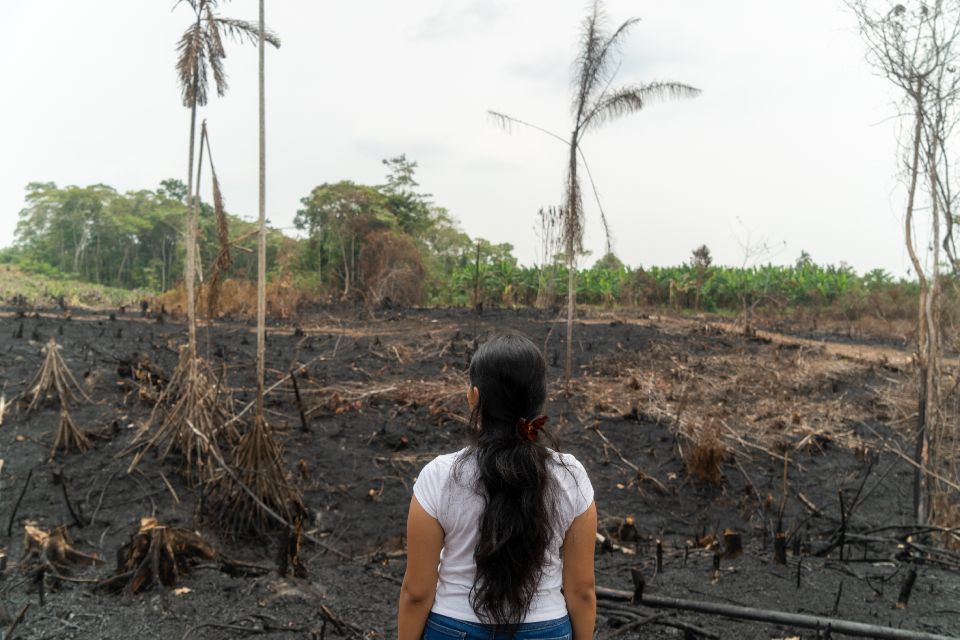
(792, 142)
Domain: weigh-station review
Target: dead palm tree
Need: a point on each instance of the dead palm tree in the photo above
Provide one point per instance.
(595, 103)
(201, 52)
(192, 413)
(258, 495)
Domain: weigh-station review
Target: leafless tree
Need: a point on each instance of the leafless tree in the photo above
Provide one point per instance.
(595, 102)
(916, 45)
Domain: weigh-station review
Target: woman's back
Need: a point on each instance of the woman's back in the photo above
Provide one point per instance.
(447, 489)
(500, 536)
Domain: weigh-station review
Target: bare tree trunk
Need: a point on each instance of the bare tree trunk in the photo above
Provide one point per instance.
(932, 397)
(917, 49)
(570, 231)
(262, 234)
(918, 479)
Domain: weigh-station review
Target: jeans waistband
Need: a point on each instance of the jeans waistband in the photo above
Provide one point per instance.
(479, 626)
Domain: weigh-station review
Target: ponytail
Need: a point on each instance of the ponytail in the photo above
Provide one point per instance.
(516, 526)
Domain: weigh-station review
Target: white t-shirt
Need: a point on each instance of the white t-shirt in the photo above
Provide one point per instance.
(454, 501)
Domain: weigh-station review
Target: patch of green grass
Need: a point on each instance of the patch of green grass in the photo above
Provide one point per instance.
(42, 290)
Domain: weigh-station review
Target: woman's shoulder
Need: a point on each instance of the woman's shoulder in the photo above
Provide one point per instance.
(569, 471)
(573, 482)
(443, 462)
(567, 460)
(433, 482)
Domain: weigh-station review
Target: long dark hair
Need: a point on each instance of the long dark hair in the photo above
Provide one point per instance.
(517, 522)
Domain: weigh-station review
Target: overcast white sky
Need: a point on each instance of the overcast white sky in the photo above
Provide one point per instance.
(791, 142)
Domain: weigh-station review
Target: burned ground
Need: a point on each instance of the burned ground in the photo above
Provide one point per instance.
(685, 427)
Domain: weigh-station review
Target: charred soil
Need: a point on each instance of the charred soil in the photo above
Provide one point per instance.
(687, 430)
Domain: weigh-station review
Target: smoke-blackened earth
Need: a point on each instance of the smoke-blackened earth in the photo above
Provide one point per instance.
(682, 426)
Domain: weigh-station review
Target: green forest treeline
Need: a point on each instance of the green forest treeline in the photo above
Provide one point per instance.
(390, 241)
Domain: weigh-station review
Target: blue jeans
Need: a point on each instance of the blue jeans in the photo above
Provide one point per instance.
(443, 628)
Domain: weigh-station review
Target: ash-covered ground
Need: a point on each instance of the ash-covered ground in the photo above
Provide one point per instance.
(684, 427)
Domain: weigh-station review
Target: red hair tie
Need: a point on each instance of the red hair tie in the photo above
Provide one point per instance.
(530, 429)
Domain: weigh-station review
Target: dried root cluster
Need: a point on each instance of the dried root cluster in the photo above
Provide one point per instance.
(69, 437)
(191, 417)
(55, 382)
(51, 551)
(158, 554)
(254, 493)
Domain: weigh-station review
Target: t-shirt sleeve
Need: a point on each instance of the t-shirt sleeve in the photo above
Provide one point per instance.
(427, 488)
(582, 490)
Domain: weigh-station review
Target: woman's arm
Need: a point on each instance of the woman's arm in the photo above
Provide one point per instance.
(424, 542)
(579, 583)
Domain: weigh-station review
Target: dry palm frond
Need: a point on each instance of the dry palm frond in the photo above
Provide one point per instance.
(215, 52)
(201, 46)
(157, 553)
(54, 376)
(506, 123)
(224, 260)
(69, 436)
(51, 550)
(630, 99)
(192, 66)
(595, 60)
(256, 484)
(193, 401)
(243, 30)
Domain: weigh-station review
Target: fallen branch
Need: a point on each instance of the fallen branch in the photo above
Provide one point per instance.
(13, 514)
(273, 387)
(662, 488)
(740, 440)
(638, 619)
(60, 478)
(16, 621)
(922, 469)
(808, 503)
(265, 628)
(632, 626)
(835, 625)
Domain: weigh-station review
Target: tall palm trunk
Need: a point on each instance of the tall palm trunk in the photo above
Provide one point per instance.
(570, 226)
(191, 235)
(262, 234)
